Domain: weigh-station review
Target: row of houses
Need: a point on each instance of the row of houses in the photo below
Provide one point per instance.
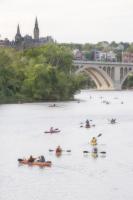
(108, 56)
(127, 57)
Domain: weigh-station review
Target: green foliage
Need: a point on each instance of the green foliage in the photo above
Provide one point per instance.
(88, 47)
(88, 55)
(130, 48)
(119, 57)
(7, 77)
(102, 46)
(38, 74)
(128, 82)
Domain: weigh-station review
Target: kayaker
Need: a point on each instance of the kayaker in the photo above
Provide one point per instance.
(94, 140)
(58, 149)
(95, 150)
(31, 159)
(51, 129)
(41, 159)
(87, 123)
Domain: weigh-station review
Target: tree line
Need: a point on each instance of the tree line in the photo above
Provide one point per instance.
(38, 74)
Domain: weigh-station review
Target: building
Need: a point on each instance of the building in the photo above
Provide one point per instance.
(127, 57)
(27, 41)
(78, 55)
(108, 56)
(95, 55)
(111, 56)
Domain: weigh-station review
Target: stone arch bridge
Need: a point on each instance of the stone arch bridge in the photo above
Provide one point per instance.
(106, 75)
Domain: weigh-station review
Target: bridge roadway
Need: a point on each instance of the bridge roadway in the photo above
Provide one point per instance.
(106, 75)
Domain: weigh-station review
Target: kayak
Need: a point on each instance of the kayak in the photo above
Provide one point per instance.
(87, 126)
(94, 155)
(41, 164)
(54, 131)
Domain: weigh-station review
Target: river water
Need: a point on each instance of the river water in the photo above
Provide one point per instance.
(73, 176)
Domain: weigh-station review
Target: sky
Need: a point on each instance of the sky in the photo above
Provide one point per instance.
(76, 21)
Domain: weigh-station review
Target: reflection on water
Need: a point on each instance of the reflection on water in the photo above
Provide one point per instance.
(73, 175)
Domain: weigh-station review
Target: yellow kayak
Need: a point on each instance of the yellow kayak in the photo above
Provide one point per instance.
(94, 155)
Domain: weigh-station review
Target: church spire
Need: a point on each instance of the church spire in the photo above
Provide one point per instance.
(18, 36)
(18, 30)
(36, 23)
(36, 30)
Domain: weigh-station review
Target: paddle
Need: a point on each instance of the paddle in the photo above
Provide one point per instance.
(51, 150)
(19, 159)
(99, 135)
(86, 152)
(103, 152)
(67, 151)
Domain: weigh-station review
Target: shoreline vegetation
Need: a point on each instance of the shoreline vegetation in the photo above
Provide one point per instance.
(41, 74)
(38, 74)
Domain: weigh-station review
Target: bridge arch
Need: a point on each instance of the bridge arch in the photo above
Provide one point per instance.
(104, 68)
(127, 72)
(106, 75)
(99, 76)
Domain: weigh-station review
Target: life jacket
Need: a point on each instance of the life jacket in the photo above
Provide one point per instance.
(94, 140)
(58, 150)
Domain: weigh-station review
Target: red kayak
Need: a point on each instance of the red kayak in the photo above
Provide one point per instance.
(35, 163)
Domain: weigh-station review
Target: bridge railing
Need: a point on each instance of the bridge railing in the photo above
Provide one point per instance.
(82, 62)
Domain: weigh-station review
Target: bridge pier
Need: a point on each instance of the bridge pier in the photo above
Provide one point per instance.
(116, 80)
(117, 86)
